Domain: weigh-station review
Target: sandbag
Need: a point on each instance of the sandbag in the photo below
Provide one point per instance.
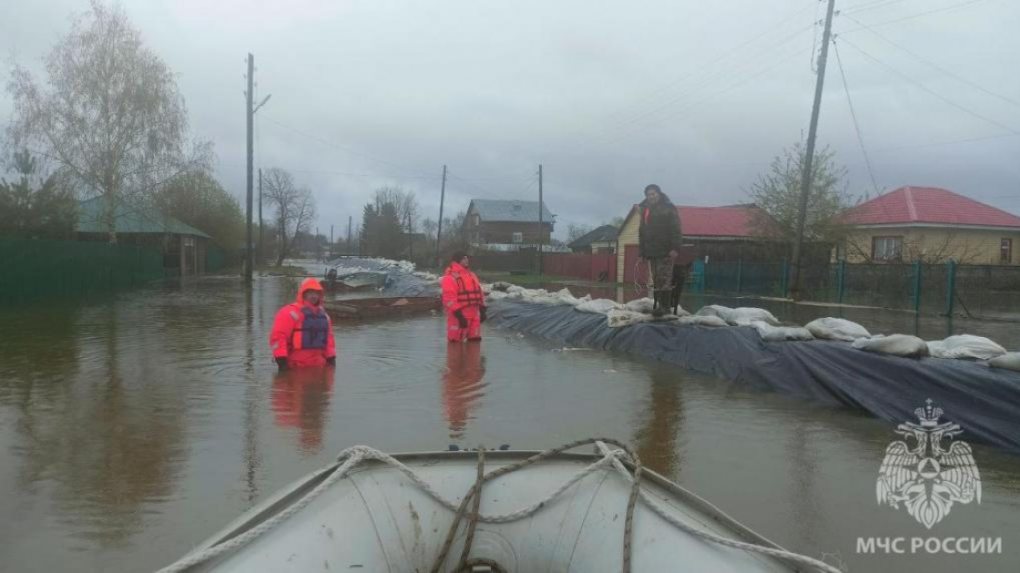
(837, 329)
(644, 305)
(502, 286)
(695, 320)
(618, 317)
(598, 306)
(965, 346)
(771, 333)
(894, 344)
(742, 316)
(496, 295)
(1008, 361)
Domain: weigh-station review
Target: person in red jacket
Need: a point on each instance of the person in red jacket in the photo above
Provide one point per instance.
(463, 301)
(302, 334)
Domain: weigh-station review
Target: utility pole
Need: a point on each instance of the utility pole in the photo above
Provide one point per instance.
(809, 156)
(350, 220)
(439, 233)
(541, 224)
(410, 237)
(260, 252)
(331, 241)
(249, 115)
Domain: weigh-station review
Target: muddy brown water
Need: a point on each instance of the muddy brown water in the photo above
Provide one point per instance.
(130, 431)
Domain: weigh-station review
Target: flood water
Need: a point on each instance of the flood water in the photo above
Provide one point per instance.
(130, 431)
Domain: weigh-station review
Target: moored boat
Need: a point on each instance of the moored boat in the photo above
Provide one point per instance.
(380, 307)
(549, 511)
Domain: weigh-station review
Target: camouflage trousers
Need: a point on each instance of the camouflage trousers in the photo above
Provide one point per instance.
(660, 274)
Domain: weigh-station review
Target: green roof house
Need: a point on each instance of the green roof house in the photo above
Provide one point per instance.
(184, 247)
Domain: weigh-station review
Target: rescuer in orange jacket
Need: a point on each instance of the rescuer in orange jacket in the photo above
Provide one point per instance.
(463, 301)
(302, 334)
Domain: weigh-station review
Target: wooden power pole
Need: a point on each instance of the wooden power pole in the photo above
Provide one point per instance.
(541, 223)
(439, 233)
(249, 115)
(809, 156)
(261, 254)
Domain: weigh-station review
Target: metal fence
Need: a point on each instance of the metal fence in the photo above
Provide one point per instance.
(977, 290)
(33, 270)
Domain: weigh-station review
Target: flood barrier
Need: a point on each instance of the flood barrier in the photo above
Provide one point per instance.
(985, 402)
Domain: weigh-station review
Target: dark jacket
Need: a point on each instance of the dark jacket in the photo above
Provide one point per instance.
(660, 229)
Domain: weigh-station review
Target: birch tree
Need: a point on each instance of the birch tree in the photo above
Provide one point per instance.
(108, 111)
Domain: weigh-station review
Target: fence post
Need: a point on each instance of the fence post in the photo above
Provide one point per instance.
(917, 285)
(740, 268)
(840, 280)
(785, 272)
(950, 286)
(699, 276)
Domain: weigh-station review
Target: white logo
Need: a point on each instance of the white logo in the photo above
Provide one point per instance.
(928, 479)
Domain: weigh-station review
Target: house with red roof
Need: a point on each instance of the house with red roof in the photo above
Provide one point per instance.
(714, 233)
(932, 225)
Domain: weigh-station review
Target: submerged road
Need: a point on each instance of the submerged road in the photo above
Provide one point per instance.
(130, 431)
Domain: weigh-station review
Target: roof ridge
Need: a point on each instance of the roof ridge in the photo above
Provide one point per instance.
(911, 209)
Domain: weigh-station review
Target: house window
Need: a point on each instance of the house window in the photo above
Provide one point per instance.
(1006, 251)
(518, 237)
(477, 219)
(887, 248)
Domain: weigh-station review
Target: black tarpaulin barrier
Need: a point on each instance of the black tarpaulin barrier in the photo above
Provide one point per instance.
(984, 401)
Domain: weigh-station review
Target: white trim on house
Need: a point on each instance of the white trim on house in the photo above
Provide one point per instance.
(935, 226)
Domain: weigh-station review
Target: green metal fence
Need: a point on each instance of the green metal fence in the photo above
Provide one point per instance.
(33, 270)
(978, 290)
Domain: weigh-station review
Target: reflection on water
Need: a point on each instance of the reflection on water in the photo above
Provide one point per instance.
(301, 401)
(131, 431)
(655, 441)
(462, 384)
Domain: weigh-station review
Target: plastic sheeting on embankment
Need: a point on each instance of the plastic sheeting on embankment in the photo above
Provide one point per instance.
(985, 402)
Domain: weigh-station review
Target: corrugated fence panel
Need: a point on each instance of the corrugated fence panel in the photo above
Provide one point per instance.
(41, 269)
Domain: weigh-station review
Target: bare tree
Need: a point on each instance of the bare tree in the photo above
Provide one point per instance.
(295, 208)
(575, 232)
(405, 203)
(777, 194)
(109, 111)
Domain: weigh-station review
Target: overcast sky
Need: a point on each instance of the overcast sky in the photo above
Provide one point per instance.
(608, 96)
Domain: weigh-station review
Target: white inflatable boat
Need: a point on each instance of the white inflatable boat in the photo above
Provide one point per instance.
(552, 511)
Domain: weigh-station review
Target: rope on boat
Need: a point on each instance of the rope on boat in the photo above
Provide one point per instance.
(353, 456)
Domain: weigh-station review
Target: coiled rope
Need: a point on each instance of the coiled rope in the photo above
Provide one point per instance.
(352, 457)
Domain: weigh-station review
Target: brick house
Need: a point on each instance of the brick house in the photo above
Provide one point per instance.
(931, 225)
(507, 224)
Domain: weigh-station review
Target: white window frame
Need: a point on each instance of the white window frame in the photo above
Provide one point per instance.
(887, 248)
(518, 237)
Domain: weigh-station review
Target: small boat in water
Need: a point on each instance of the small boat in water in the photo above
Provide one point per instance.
(548, 511)
(356, 282)
(365, 308)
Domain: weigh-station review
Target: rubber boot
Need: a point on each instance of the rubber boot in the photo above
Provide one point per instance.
(660, 306)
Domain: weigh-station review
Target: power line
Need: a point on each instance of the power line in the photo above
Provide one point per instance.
(906, 78)
(649, 116)
(923, 60)
(869, 6)
(853, 115)
(920, 15)
(707, 66)
(341, 147)
(710, 97)
(953, 142)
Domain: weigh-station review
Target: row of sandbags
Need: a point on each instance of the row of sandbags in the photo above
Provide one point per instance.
(962, 346)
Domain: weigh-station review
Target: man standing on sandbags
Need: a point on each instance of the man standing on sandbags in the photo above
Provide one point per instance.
(660, 240)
